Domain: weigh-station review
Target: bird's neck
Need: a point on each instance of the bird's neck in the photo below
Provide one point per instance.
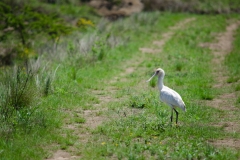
(160, 82)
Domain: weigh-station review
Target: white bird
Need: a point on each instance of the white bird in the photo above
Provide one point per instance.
(168, 95)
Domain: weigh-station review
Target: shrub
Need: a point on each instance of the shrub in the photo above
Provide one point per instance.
(21, 23)
(18, 99)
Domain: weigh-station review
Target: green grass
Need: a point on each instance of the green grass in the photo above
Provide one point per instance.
(232, 62)
(146, 133)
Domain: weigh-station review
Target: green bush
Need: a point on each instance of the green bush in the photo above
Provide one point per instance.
(22, 23)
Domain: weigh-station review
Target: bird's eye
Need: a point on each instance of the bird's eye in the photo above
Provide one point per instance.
(157, 72)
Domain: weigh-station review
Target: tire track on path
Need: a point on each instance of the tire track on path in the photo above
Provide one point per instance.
(224, 101)
(165, 37)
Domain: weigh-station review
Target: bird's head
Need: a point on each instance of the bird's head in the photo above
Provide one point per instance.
(159, 72)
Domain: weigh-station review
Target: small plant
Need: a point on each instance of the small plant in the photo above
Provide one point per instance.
(153, 83)
(99, 50)
(71, 49)
(206, 95)
(47, 86)
(232, 79)
(74, 73)
(140, 101)
(80, 120)
(237, 88)
(137, 102)
(84, 23)
(179, 66)
(238, 100)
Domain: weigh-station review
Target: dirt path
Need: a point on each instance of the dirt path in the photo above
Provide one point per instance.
(94, 117)
(226, 100)
(131, 66)
(165, 37)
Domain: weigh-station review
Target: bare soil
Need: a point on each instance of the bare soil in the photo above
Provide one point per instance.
(225, 143)
(62, 155)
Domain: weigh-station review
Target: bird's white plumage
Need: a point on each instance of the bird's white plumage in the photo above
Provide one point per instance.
(168, 95)
(171, 97)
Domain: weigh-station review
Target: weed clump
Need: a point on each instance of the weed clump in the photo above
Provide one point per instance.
(206, 95)
(142, 101)
(237, 88)
(47, 86)
(18, 99)
(137, 102)
(179, 66)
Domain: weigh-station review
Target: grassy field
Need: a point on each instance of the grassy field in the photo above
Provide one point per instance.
(144, 132)
(97, 105)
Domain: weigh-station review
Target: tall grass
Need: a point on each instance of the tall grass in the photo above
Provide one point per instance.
(18, 100)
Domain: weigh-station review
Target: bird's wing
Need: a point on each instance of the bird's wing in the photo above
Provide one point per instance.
(171, 97)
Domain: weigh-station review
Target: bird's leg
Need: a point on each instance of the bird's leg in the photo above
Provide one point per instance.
(171, 115)
(176, 115)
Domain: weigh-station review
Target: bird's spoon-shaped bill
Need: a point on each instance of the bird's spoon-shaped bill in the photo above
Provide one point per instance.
(151, 77)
